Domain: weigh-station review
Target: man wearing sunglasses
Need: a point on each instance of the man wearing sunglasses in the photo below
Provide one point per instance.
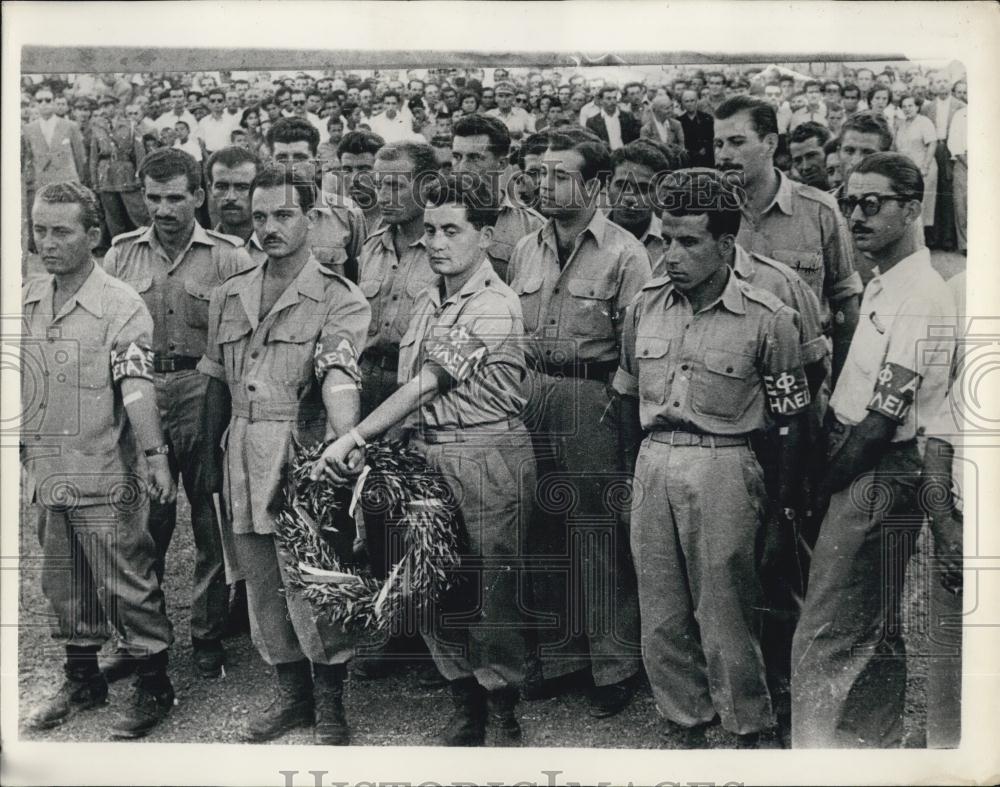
(517, 119)
(215, 128)
(849, 677)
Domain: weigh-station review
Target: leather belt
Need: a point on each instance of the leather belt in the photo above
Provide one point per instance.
(382, 357)
(679, 438)
(174, 363)
(272, 411)
(469, 434)
(584, 370)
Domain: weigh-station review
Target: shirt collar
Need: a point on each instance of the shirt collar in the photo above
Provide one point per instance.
(387, 239)
(596, 227)
(654, 230)
(783, 199)
(482, 278)
(742, 263)
(89, 296)
(199, 235)
(731, 297)
(904, 270)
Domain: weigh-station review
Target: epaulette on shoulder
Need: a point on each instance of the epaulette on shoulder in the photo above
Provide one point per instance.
(127, 235)
(767, 299)
(777, 265)
(239, 273)
(817, 195)
(230, 239)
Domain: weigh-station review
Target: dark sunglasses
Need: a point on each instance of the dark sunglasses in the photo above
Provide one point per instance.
(216, 100)
(45, 101)
(870, 204)
(298, 103)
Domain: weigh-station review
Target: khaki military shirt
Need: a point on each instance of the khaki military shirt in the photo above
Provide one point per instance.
(652, 240)
(781, 281)
(274, 369)
(78, 445)
(803, 228)
(714, 372)
(902, 351)
(573, 314)
(392, 284)
(176, 292)
(337, 234)
(476, 335)
(512, 224)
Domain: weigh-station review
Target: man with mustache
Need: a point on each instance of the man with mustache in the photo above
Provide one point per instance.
(357, 151)
(849, 680)
(790, 222)
(175, 265)
(230, 174)
(282, 358)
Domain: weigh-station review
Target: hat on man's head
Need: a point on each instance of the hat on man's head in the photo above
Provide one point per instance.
(84, 102)
(104, 100)
(505, 86)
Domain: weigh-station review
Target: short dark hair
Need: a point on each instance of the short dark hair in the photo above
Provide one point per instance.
(230, 156)
(166, 163)
(703, 191)
(605, 89)
(392, 94)
(291, 130)
(877, 88)
(811, 83)
(532, 145)
(641, 152)
(763, 118)
(851, 88)
(903, 174)
(715, 75)
(420, 154)
(279, 176)
(832, 146)
(470, 191)
(809, 130)
(182, 123)
(359, 143)
(471, 94)
(869, 123)
(633, 84)
(216, 91)
(73, 193)
(476, 125)
(595, 154)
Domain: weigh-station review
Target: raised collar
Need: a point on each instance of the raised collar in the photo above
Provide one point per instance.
(596, 228)
(482, 278)
(387, 235)
(654, 230)
(783, 199)
(731, 297)
(742, 263)
(310, 283)
(89, 296)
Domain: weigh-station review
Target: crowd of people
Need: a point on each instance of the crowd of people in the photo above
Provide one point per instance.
(709, 293)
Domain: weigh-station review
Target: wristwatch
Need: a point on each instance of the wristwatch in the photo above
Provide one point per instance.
(161, 450)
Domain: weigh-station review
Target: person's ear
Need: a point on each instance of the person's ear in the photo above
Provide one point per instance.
(199, 197)
(486, 237)
(93, 237)
(725, 244)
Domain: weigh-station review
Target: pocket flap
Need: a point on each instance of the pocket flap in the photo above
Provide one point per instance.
(651, 347)
(799, 259)
(231, 330)
(728, 364)
(140, 285)
(198, 289)
(292, 331)
(598, 289)
(527, 287)
(370, 287)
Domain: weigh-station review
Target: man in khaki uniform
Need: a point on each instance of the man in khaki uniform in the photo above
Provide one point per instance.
(787, 221)
(336, 230)
(575, 276)
(282, 354)
(480, 148)
(394, 263)
(709, 360)
(462, 373)
(175, 265)
(90, 336)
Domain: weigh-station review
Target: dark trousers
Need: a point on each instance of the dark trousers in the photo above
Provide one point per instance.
(943, 234)
(124, 211)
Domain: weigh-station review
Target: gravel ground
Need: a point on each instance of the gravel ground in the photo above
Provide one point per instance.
(213, 710)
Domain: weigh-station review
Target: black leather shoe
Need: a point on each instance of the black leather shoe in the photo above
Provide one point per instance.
(675, 736)
(151, 699)
(208, 656)
(293, 707)
(118, 665)
(607, 701)
(467, 724)
(328, 692)
(503, 728)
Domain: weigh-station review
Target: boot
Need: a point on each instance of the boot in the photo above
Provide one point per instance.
(151, 699)
(293, 707)
(328, 693)
(208, 656)
(118, 664)
(82, 689)
(503, 726)
(467, 725)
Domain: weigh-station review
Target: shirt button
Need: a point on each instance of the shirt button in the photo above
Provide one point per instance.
(172, 346)
(395, 297)
(552, 321)
(729, 369)
(684, 367)
(555, 291)
(677, 404)
(251, 387)
(170, 311)
(254, 354)
(394, 267)
(645, 352)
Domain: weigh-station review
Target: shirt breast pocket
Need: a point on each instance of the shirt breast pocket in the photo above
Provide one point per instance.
(144, 286)
(652, 355)
(808, 264)
(727, 385)
(370, 289)
(333, 258)
(530, 294)
(292, 345)
(589, 311)
(196, 304)
(96, 392)
(232, 340)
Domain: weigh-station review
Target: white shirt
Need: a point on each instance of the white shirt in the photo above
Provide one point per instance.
(906, 324)
(588, 111)
(216, 133)
(661, 128)
(614, 126)
(957, 142)
(191, 146)
(397, 129)
(48, 127)
(168, 119)
(943, 106)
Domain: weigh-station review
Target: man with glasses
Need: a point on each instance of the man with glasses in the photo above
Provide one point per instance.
(300, 109)
(215, 128)
(518, 120)
(849, 681)
(54, 145)
(337, 230)
(175, 265)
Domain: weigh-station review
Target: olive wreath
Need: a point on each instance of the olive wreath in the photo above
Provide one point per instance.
(316, 531)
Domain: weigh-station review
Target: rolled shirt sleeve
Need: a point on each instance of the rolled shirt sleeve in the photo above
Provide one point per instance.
(211, 362)
(343, 336)
(131, 349)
